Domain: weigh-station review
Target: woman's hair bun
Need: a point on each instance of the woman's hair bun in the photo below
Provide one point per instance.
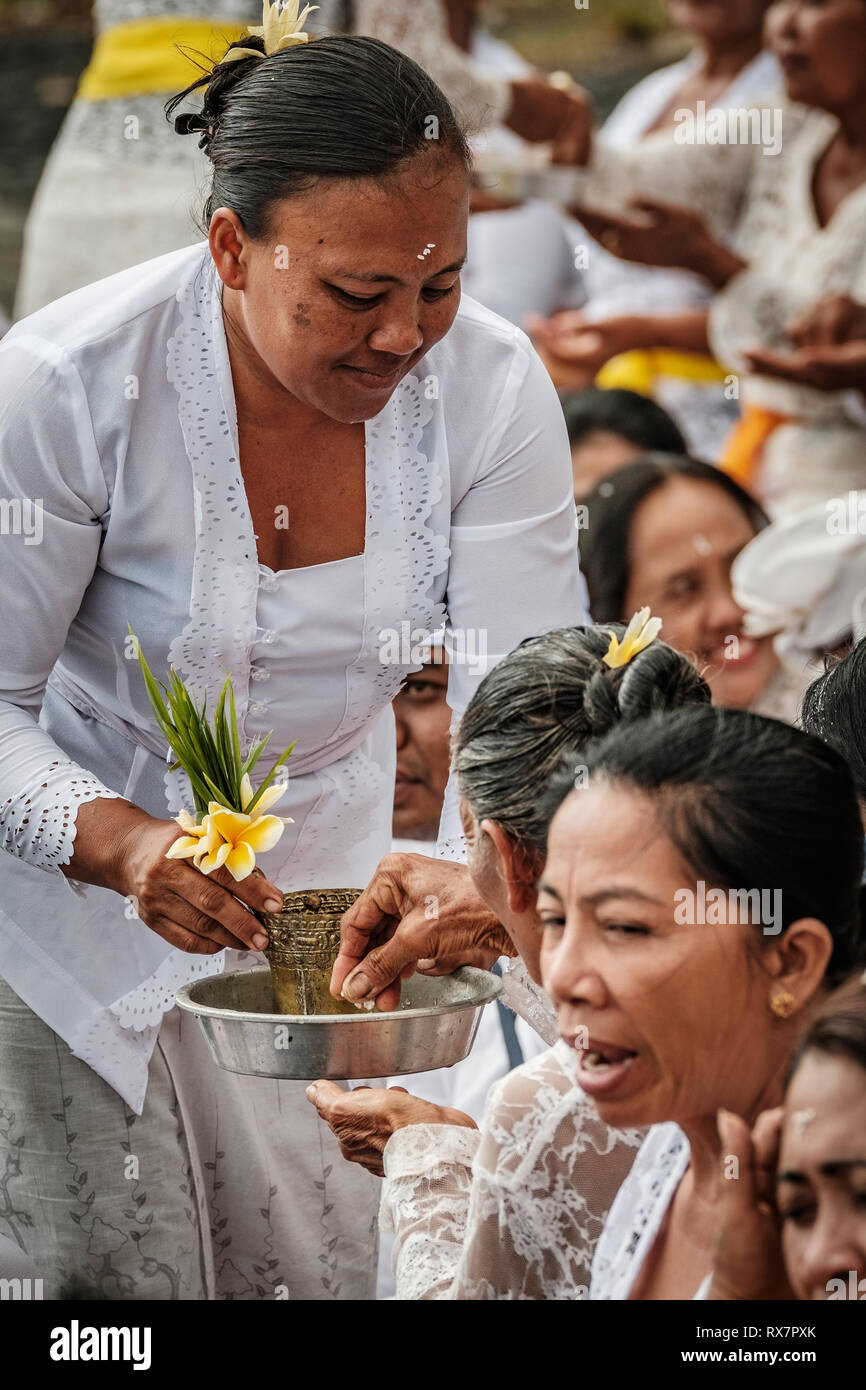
(550, 697)
(217, 83)
(658, 678)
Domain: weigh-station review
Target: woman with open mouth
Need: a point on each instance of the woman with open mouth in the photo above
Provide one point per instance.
(671, 1016)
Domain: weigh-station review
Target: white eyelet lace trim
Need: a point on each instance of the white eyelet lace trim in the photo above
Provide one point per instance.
(41, 829)
(225, 567)
(144, 1006)
(403, 554)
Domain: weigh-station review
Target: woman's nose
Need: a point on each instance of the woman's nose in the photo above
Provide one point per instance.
(832, 1252)
(569, 975)
(399, 333)
(780, 20)
(723, 614)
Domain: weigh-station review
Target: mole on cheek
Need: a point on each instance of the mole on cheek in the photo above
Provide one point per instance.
(301, 318)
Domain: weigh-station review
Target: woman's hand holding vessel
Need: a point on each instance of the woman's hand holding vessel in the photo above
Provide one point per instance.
(120, 846)
(417, 912)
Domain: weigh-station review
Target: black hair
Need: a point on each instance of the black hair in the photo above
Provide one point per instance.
(634, 417)
(611, 506)
(838, 1029)
(552, 695)
(747, 800)
(339, 107)
(833, 709)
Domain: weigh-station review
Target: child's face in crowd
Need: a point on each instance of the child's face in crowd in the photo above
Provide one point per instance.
(821, 1190)
(684, 538)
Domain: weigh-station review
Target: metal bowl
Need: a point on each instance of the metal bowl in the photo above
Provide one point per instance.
(434, 1026)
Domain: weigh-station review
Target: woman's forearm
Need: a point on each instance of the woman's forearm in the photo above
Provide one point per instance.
(686, 332)
(102, 829)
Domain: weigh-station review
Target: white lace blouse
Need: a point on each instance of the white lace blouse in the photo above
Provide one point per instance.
(119, 442)
(763, 203)
(512, 1211)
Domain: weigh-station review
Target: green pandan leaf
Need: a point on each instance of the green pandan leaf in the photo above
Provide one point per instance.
(209, 751)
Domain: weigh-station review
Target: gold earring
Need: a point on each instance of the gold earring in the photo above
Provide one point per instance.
(783, 1004)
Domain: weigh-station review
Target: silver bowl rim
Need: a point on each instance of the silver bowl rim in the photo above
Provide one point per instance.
(183, 1001)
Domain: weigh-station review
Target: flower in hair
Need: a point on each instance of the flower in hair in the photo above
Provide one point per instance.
(642, 630)
(281, 27)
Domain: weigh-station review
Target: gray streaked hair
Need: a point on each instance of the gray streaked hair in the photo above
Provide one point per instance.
(548, 698)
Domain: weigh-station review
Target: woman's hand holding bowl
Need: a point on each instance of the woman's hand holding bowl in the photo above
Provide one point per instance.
(363, 1120)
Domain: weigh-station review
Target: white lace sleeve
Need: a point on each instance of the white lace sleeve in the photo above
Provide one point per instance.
(523, 1223)
(480, 97)
(54, 493)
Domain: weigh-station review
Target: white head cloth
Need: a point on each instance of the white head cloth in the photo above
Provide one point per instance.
(804, 578)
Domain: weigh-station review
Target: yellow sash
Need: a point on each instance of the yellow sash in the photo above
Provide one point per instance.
(143, 58)
(637, 371)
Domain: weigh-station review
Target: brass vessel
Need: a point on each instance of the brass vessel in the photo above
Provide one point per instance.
(303, 942)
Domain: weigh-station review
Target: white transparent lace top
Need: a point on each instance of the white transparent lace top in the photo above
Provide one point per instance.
(512, 1211)
(762, 203)
(619, 287)
(117, 414)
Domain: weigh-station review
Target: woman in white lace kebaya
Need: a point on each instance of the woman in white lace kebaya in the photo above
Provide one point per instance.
(278, 455)
(699, 895)
(512, 1211)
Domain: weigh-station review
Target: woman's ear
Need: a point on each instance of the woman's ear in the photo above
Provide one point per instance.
(467, 820)
(227, 239)
(798, 961)
(518, 869)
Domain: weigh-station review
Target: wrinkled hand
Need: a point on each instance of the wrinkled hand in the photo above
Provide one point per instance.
(574, 349)
(415, 911)
(196, 912)
(748, 1261)
(363, 1120)
(840, 367)
(832, 320)
(540, 111)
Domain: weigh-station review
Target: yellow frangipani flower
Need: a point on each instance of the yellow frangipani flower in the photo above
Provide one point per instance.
(187, 845)
(231, 838)
(642, 630)
(281, 27)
